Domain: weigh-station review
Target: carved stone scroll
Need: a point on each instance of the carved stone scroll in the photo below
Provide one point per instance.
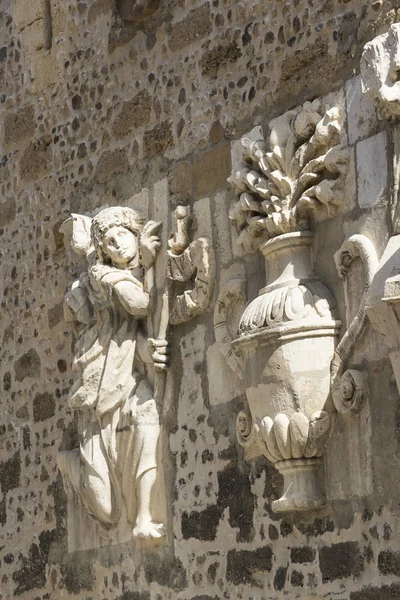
(233, 292)
(349, 387)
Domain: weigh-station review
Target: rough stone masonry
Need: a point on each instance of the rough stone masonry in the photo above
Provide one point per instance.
(98, 111)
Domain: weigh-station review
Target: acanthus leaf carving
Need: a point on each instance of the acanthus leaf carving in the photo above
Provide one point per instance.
(293, 178)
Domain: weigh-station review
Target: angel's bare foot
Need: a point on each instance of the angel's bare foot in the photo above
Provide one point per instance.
(148, 530)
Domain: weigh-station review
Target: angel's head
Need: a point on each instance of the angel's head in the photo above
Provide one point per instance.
(115, 234)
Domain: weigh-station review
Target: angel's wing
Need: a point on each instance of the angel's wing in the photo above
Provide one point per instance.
(76, 231)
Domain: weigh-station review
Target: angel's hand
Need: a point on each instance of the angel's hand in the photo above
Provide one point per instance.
(76, 230)
(150, 243)
(159, 350)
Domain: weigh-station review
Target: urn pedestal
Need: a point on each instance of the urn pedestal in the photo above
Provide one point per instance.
(287, 338)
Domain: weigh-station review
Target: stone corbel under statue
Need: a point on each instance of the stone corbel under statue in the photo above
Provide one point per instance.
(120, 361)
(295, 376)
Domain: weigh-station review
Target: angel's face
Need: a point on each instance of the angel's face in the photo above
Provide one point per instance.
(120, 245)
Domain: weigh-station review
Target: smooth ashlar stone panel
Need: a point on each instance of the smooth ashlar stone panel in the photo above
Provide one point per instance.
(372, 176)
(361, 111)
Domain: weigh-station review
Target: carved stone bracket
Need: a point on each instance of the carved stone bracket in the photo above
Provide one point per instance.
(232, 293)
(349, 387)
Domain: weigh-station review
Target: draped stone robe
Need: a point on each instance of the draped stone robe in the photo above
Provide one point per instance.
(119, 427)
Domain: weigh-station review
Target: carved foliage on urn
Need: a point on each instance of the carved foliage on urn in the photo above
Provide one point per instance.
(292, 177)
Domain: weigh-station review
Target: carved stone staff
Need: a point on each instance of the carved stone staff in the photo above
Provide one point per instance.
(184, 261)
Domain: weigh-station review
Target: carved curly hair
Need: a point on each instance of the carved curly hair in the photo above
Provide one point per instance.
(114, 217)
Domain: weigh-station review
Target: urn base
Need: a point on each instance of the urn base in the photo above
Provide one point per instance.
(302, 489)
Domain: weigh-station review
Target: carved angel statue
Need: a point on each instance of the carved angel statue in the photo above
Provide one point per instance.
(117, 464)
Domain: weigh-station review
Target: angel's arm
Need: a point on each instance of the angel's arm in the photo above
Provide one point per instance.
(76, 231)
(133, 298)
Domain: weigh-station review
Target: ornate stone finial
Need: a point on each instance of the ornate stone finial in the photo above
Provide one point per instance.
(380, 71)
(295, 176)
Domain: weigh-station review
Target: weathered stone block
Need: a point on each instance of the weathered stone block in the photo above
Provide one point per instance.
(33, 37)
(303, 554)
(111, 163)
(78, 575)
(193, 27)
(217, 58)
(10, 473)
(157, 141)
(389, 562)
(372, 170)
(361, 111)
(25, 13)
(340, 561)
(211, 170)
(44, 407)
(243, 564)
(201, 525)
(36, 159)
(280, 578)
(385, 592)
(7, 211)
(28, 365)
(134, 114)
(32, 572)
(19, 125)
(55, 314)
(297, 579)
(181, 180)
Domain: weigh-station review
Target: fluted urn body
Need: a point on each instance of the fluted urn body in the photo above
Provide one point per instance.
(287, 337)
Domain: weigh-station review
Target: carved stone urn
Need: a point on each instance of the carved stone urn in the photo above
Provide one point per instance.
(287, 338)
(296, 372)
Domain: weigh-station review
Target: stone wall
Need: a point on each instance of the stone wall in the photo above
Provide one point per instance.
(95, 111)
